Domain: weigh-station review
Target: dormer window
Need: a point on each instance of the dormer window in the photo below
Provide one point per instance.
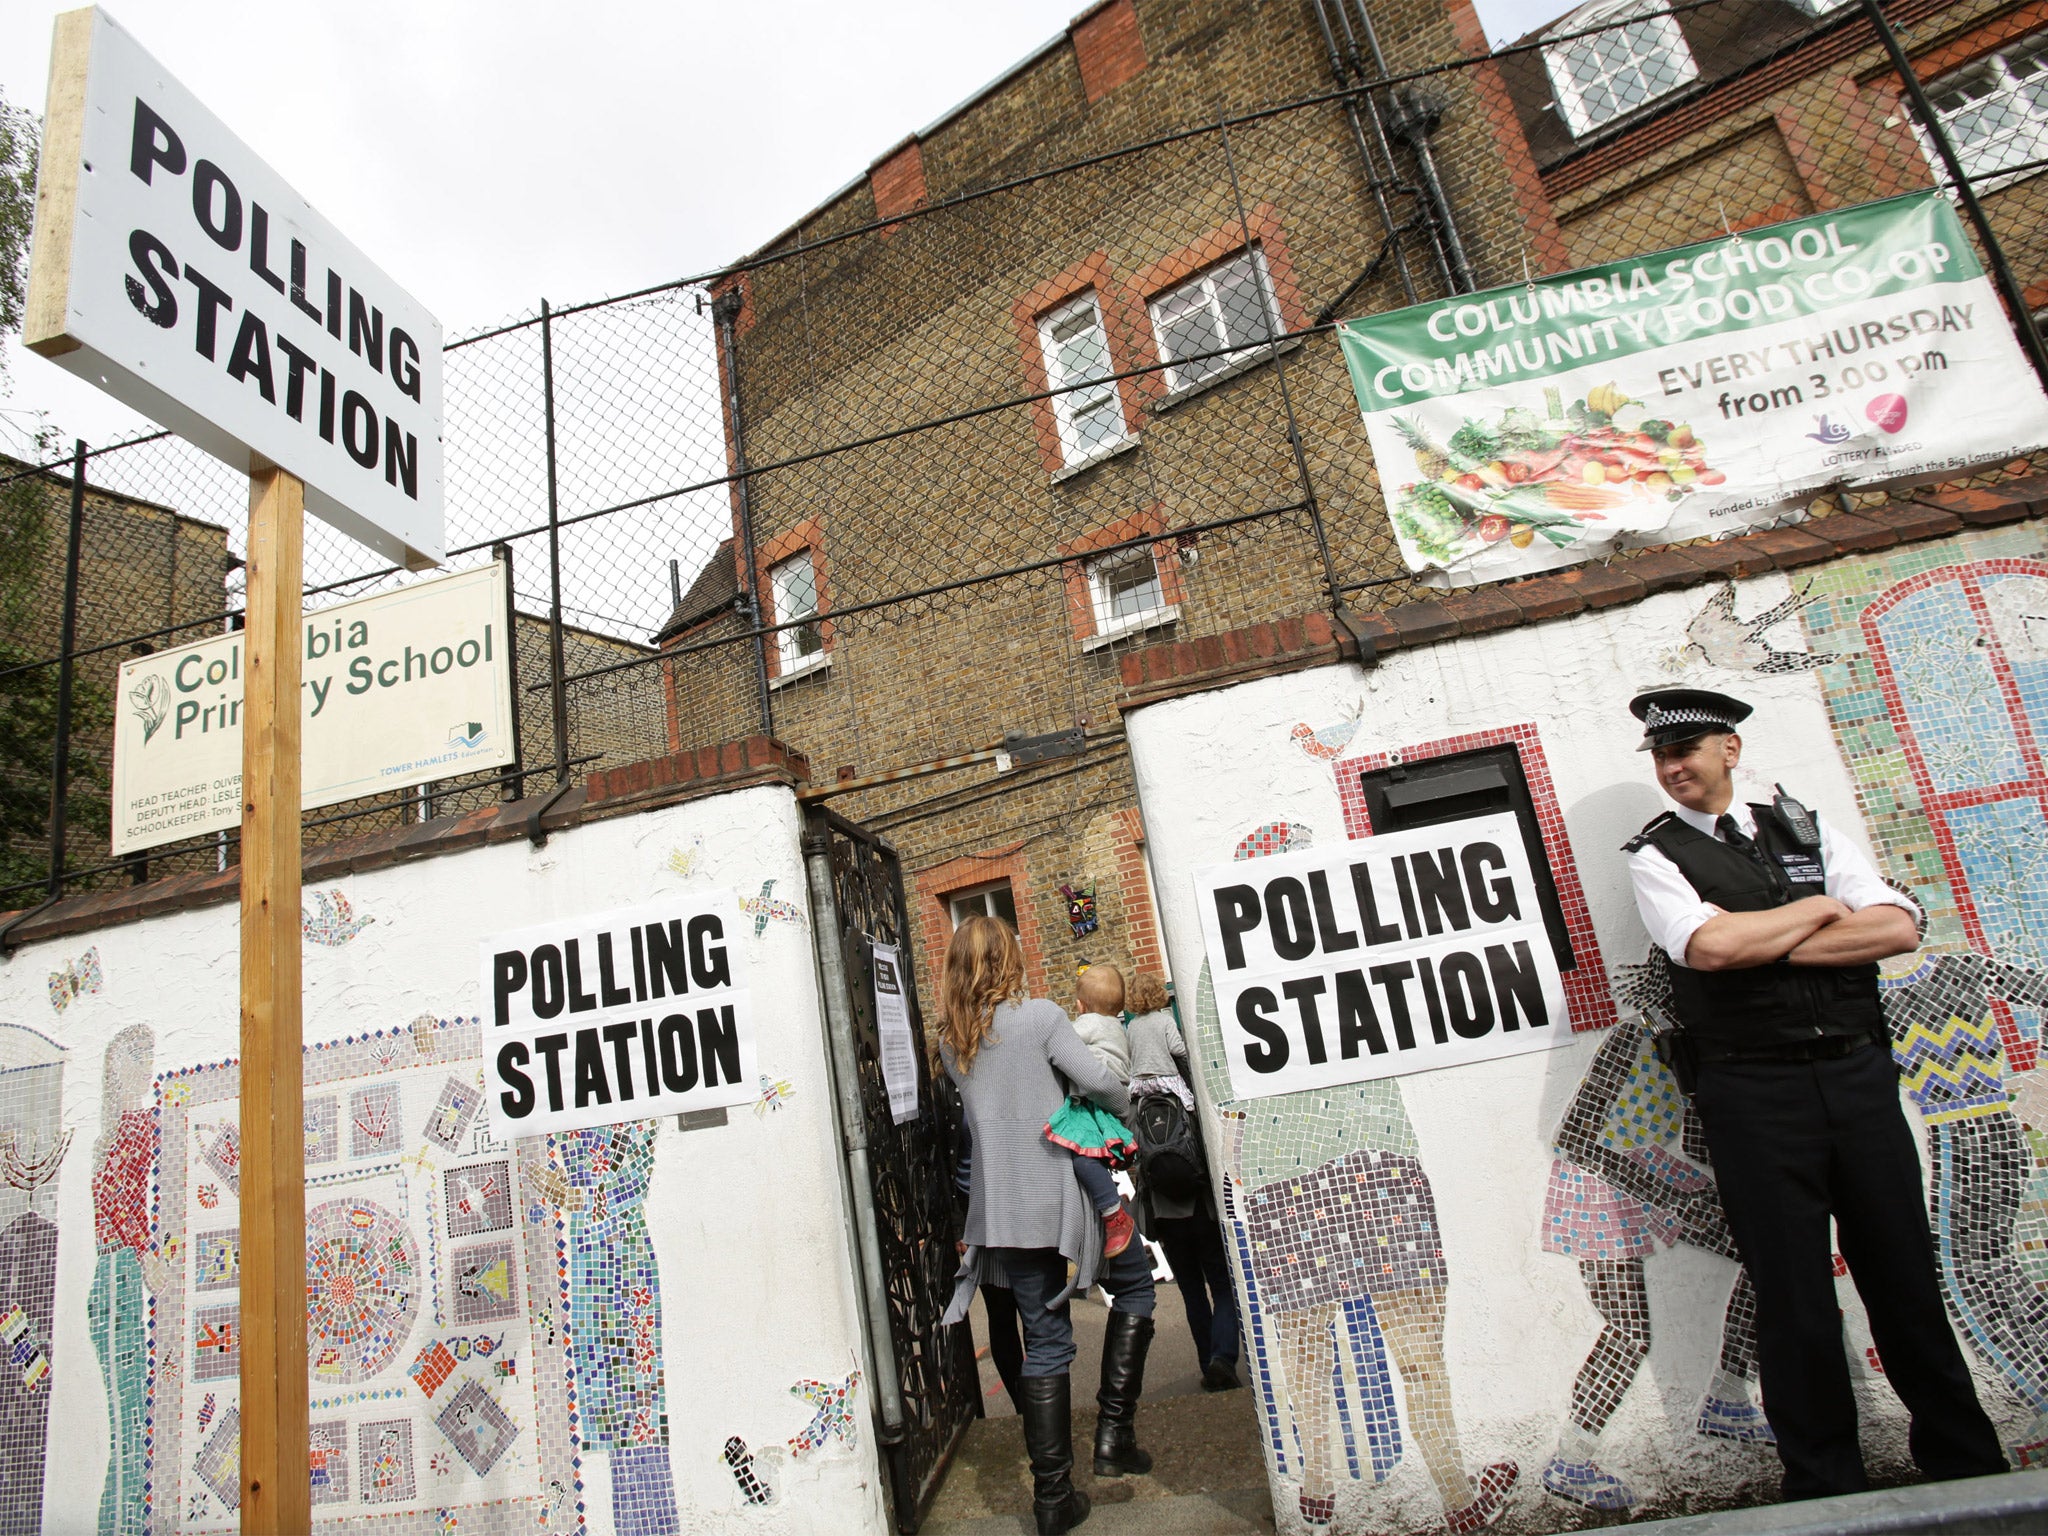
(1639, 55)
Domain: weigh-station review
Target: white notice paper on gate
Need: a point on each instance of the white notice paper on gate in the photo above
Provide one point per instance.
(892, 1023)
(1380, 956)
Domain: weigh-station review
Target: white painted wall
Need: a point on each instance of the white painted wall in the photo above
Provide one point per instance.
(747, 1220)
(1213, 766)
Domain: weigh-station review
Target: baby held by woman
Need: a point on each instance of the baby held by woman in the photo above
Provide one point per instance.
(1098, 1140)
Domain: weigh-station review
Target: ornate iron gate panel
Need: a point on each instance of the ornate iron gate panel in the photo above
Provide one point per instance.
(909, 1170)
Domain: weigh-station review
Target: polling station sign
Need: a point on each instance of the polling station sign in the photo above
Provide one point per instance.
(1380, 956)
(395, 690)
(618, 1016)
(177, 271)
(1691, 393)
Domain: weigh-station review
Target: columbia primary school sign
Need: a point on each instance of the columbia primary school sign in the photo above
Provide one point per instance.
(396, 690)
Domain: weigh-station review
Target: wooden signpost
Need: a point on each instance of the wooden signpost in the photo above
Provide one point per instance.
(329, 393)
(276, 1488)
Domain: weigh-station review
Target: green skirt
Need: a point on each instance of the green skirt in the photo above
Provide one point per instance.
(1084, 1127)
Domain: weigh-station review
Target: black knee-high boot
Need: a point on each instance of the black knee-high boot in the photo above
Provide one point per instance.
(1045, 1405)
(1124, 1343)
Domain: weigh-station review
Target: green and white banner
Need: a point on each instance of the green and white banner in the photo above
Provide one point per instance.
(1691, 393)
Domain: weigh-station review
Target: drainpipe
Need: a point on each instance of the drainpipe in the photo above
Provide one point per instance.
(1415, 118)
(1406, 116)
(828, 945)
(725, 310)
(1376, 183)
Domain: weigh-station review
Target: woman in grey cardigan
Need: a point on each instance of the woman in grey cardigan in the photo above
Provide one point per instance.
(1027, 1218)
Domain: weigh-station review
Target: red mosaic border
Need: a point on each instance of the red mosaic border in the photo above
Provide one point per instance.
(1585, 985)
(2020, 1052)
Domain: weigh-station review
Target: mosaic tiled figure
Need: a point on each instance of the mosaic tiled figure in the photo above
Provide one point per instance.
(117, 1309)
(1945, 676)
(1337, 1231)
(1617, 1192)
(614, 1330)
(1945, 1038)
(32, 1147)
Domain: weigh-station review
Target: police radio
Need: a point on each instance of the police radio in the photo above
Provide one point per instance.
(1798, 820)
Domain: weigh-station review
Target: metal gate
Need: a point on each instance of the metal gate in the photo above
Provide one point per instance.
(899, 1177)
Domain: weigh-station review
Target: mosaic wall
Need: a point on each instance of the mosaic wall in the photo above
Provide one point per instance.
(1382, 1338)
(33, 1144)
(438, 1317)
(1341, 1270)
(1939, 700)
(495, 1348)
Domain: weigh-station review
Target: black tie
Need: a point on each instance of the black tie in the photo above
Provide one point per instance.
(1736, 838)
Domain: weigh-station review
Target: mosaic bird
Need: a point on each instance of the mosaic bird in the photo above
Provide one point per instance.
(336, 923)
(1723, 640)
(775, 1092)
(1331, 740)
(767, 907)
(684, 861)
(834, 1418)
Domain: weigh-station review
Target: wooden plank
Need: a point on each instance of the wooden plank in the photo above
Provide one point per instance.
(276, 1481)
(49, 266)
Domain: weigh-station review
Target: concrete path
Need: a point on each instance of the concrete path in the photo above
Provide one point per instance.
(1208, 1478)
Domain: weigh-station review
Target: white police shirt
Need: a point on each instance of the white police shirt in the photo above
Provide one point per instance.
(1673, 912)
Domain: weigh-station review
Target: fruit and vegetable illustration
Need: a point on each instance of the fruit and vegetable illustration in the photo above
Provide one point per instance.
(1556, 474)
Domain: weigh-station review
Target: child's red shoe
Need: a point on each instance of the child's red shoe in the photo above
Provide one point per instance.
(1117, 1231)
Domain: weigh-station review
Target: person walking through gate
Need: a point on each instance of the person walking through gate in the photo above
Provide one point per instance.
(1027, 1218)
(1173, 1183)
(1774, 924)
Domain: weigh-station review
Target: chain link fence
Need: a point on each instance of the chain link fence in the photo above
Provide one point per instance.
(905, 485)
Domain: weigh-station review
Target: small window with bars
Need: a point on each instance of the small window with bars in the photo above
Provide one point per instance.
(793, 588)
(1638, 54)
(1214, 318)
(1125, 592)
(1996, 113)
(1077, 371)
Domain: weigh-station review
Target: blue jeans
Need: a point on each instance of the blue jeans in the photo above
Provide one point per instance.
(1098, 1183)
(1194, 1247)
(1037, 1275)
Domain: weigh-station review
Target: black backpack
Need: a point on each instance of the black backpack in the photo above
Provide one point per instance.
(1170, 1157)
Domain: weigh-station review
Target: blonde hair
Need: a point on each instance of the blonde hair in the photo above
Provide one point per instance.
(1101, 987)
(984, 967)
(1148, 993)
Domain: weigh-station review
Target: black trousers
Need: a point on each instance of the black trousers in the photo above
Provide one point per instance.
(1794, 1143)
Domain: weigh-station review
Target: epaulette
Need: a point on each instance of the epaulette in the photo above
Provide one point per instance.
(1641, 840)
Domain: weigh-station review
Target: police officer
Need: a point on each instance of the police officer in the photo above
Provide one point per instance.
(1774, 925)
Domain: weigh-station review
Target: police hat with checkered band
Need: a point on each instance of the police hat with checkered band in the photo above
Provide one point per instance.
(1679, 714)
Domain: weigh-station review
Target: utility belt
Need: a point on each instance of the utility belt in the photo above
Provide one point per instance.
(1684, 1053)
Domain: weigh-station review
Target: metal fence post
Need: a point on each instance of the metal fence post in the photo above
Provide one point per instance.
(725, 312)
(60, 767)
(557, 670)
(2001, 270)
(515, 783)
(1276, 325)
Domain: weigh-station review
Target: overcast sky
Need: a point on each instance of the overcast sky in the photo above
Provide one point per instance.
(486, 153)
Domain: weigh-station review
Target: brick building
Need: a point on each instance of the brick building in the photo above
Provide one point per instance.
(1073, 414)
(1763, 110)
(144, 568)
